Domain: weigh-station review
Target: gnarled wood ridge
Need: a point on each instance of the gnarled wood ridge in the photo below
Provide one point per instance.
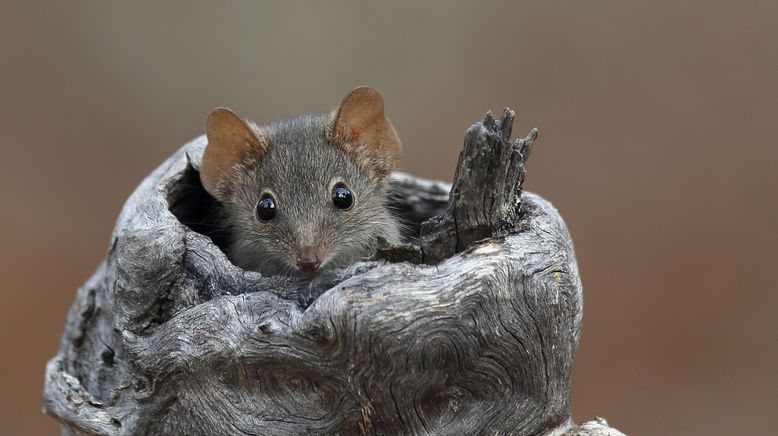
(469, 328)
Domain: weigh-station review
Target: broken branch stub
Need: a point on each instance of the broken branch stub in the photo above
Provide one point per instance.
(486, 193)
(470, 328)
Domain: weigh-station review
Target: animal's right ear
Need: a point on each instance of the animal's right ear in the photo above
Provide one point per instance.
(232, 145)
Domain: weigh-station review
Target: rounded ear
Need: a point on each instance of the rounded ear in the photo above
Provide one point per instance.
(231, 142)
(360, 127)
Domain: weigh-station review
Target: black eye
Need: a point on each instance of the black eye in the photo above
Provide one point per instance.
(342, 197)
(266, 208)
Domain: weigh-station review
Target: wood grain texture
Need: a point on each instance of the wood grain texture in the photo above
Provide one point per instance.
(469, 328)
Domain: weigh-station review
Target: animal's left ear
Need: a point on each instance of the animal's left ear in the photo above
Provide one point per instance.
(360, 127)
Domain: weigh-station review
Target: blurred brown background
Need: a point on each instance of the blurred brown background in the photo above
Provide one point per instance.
(658, 146)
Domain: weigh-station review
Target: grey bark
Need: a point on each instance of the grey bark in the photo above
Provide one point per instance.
(471, 327)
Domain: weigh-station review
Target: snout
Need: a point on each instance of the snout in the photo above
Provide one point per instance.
(308, 263)
(309, 259)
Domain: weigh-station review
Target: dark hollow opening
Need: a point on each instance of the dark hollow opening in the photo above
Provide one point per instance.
(196, 208)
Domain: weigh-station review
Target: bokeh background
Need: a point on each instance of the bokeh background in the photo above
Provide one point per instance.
(658, 146)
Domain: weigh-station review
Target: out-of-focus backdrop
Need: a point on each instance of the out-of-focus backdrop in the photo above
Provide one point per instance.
(658, 145)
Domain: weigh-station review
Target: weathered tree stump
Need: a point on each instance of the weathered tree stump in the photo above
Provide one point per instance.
(471, 327)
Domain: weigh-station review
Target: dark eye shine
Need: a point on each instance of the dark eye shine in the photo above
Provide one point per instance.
(342, 197)
(266, 208)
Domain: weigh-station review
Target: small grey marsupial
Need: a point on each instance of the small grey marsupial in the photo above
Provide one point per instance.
(306, 194)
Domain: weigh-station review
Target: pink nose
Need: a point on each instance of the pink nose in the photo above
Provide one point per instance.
(308, 263)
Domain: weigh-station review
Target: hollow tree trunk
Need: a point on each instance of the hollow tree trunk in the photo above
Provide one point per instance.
(471, 327)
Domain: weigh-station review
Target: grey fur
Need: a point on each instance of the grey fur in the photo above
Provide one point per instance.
(299, 168)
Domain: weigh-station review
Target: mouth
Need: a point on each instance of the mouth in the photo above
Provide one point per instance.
(309, 261)
(308, 266)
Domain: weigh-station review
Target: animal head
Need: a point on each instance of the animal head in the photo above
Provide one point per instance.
(305, 194)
